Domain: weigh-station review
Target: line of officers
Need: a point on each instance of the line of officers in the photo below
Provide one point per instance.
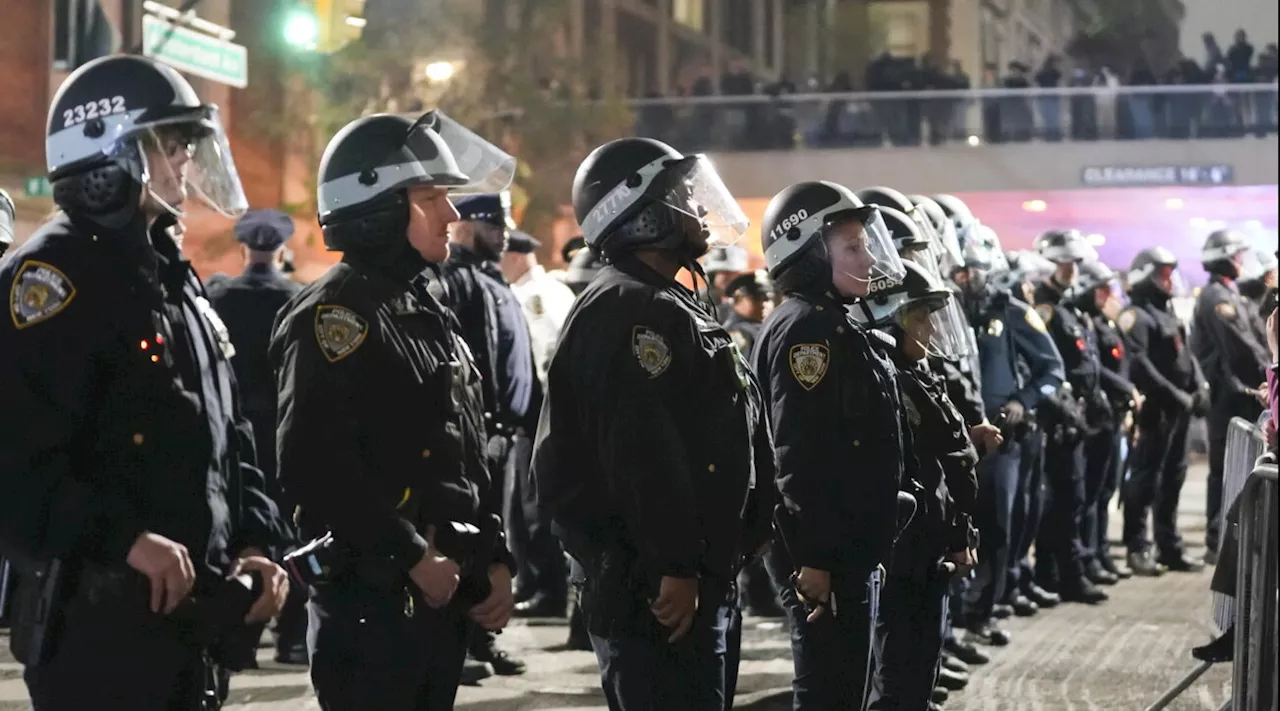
(872, 442)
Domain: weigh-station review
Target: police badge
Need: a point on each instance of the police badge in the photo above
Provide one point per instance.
(809, 363)
(339, 331)
(38, 293)
(651, 350)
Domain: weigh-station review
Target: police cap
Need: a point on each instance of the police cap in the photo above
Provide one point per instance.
(753, 285)
(571, 248)
(490, 208)
(522, 242)
(264, 230)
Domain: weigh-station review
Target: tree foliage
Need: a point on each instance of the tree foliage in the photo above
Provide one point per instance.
(1120, 33)
(516, 82)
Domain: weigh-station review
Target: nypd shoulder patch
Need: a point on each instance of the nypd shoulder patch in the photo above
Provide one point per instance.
(339, 331)
(1127, 319)
(1226, 310)
(39, 292)
(1034, 317)
(651, 350)
(808, 363)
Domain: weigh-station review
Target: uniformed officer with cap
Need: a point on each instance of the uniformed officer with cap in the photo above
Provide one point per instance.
(494, 326)
(722, 265)
(7, 218)
(381, 424)
(583, 268)
(1226, 337)
(751, 298)
(248, 304)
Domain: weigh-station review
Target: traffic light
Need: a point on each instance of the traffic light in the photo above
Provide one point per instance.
(323, 25)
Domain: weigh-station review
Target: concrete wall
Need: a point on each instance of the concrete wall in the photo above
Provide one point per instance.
(960, 168)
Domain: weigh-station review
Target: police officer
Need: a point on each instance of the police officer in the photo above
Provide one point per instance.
(652, 434)
(1164, 370)
(1095, 295)
(545, 299)
(1060, 554)
(722, 265)
(839, 434)
(248, 304)
(125, 462)
(1227, 339)
(751, 298)
(381, 423)
(940, 540)
(1258, 284)
(1007, 330)
(7, 219)
(493, 324)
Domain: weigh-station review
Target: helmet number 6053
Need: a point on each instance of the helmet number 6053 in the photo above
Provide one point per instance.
(792, 220)
(93, 109)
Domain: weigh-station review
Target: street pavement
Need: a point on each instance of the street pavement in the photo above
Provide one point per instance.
(1119, 656)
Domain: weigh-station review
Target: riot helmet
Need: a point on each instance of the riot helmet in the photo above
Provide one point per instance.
(8, 216)
(1064, 246)
(1024, 269)
(636, 193)
(911, 245)
(947, 246)
(958, 212)
(1097, 289)
(918, 310)
(370, 165)
(888, 197)
(798, 225)
(125, 127)
(1155, 267)
(1227, 253)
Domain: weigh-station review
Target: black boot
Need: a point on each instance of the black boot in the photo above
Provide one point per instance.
(965, 652)
(1180, 563)
(1041, 597)
(1082, 590)
(1099, 575)
(1142, 565)
(989, 633)
(1023, 606)
(484, 648)
(1109, 565)
(1222, 649)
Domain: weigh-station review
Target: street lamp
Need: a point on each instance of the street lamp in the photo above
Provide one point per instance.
(439, 71)
(301, 29)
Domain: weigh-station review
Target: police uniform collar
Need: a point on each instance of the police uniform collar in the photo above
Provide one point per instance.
(261, 269)
(1050, 291)
(391, 274)
(1225, 281)
(464, 254)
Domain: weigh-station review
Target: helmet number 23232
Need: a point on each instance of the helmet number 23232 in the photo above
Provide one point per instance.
(92, 110)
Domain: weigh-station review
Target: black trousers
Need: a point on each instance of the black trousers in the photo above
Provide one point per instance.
(1028, 511)
(1101, 461)
(380, 649)
(540, 562)
(1059, 551)
(1223, 408)
(997, 497)
(909, 633)
(114, 653)
(1157, 471)
(832, 655)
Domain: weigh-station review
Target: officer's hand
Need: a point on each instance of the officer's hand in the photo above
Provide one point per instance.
(167, 566)
(1137, 399)
(964, 560)
(436, 575)
(1186, 401)
(275, 585)
(814, 587)
(676, 603)
(1013, 412)
(1128, 421)
(987, 436)
(1260, 393)
(1200, 403)
(495, 612)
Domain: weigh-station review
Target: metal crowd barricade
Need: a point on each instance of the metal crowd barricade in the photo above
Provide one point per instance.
(1246, 474)
(1244, 446)
(1257, 650)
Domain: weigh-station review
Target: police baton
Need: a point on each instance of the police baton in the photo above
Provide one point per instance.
(785, 525)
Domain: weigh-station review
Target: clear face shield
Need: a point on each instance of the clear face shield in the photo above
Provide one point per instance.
(694, 188)
(936, 326)
(187, 155)
(489, 169)
(1248, 264)
(863, 258)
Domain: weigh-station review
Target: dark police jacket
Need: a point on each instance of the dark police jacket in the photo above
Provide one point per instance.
(477, 313)
(652, 438)
(744, 332)
(962, 388)
(1008, 329)
(380, 420)
(946, 457)
(1224, 338)
(120, 409)
(1076, 337)
(1161, 364)
(840, 436)
(1115, 360)
(248, 305)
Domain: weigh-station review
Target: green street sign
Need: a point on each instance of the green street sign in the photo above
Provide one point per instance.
(37, 186)
(195, 53)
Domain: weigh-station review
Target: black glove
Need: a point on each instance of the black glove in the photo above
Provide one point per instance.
(1013, 413)
(1200, 403)
(1186, 401)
